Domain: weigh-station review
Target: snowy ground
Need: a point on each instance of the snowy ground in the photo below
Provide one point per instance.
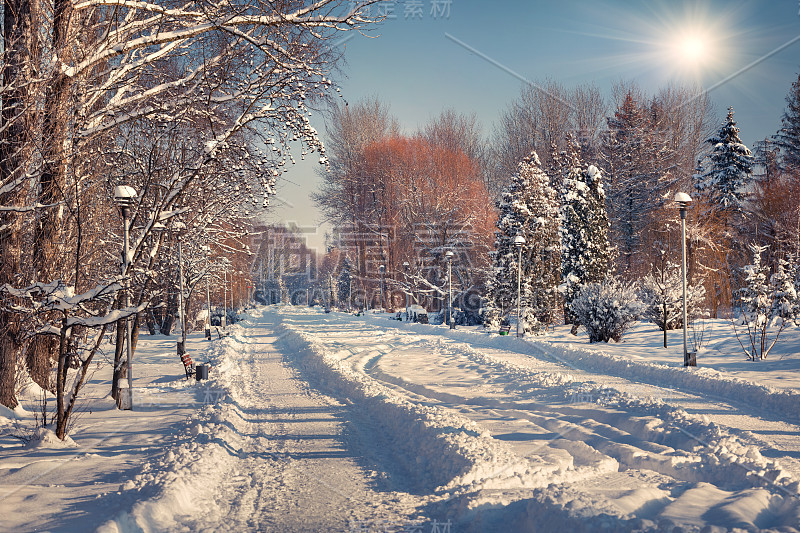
(315, 421)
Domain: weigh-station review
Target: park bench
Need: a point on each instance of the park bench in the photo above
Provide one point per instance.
(222, 333)
(188, 365)
(504, 329)
(198, 371)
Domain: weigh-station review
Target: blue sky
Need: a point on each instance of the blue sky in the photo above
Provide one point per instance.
(416, 65)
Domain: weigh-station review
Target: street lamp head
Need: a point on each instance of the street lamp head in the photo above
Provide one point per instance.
(158, 227)
(382, 268)
(405, 265)
(683, 200)
(449, 255)
(124, 195)
(519, 240)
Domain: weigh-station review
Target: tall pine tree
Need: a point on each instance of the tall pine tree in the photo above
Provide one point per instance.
(637, 154)
(528, 208)
(727, 172)
(788, 137)
(584, 225)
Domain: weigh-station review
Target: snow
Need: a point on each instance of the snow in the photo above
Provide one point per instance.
(328, 421)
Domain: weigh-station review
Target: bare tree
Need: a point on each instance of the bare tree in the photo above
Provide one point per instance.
(540, 119)
(235, 75)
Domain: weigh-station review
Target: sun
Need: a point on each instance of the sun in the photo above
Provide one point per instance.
(683, 42)
(692, 50)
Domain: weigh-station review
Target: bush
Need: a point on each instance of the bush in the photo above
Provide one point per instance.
(663, 287)
(606, 309)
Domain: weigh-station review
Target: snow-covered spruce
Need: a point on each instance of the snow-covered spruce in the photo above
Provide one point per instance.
(585, 250)
(661, 292)
(767, 306)
(788, 137)
(725, 177)
(527, 208)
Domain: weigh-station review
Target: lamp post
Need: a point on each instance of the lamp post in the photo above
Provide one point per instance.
(449, 255)
(207, 327)
(125, 196)
(382, 268)
(223, 321)
(405, 268)
(683, 200)
(180, 229)
(519, 240)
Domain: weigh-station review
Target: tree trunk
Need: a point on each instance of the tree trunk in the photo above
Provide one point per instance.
(135, 332)
(39, 360)
(61, 383)
(13, 147)
(119, 366)
(150, 320)
(8, 362)
(48, 260)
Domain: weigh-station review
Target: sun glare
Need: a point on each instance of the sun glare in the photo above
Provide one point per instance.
(666, 41)
(692, 48)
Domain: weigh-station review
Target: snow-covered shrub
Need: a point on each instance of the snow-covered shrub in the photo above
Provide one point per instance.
(661, 291)
(606, 309)
(765, 302)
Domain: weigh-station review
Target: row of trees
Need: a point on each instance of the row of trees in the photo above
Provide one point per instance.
(731, 201)
(590, 190)
(194, 107)
(399, 199)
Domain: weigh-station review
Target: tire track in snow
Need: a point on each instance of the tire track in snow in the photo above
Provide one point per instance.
(303, 475)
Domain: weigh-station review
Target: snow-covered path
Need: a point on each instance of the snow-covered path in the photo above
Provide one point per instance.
(629, 458)
(777, 437)
(282, 458)
(330, 422)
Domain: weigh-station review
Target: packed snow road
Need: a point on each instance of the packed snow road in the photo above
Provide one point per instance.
(272, 455)
(329, 422)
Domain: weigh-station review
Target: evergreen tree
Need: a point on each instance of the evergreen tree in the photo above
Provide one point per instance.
(343, 285)
(661, 291)
(528, 208)
(636, 155)
(585, 251)
(727, 172)
(785, 304)
(788, 137)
